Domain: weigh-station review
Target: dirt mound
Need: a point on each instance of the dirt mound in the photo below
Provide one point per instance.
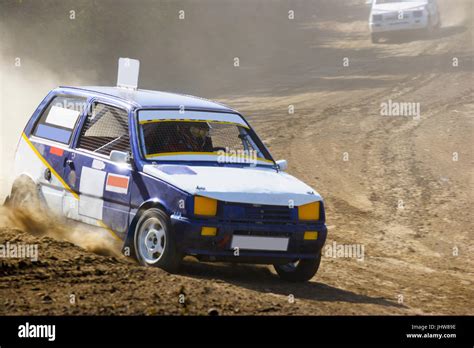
(68, 280)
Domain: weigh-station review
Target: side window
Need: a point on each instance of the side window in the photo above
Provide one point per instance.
(105, 129)
(58, 120)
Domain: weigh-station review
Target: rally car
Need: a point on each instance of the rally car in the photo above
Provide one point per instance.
(170, 175)
(388, 16)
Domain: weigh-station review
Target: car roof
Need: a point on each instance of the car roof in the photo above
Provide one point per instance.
(143, 98)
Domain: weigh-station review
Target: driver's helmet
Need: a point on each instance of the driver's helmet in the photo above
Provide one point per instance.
(200, 129)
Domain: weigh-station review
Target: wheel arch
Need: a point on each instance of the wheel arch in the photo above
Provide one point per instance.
(151, 203)
(22, 180)
(27, 177)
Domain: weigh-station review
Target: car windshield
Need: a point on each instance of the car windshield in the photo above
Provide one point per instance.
(199, 136)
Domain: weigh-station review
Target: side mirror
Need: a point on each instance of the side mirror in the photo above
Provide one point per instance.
(119, 156)
(282, 165)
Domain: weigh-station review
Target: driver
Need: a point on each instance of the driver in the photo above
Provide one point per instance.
(192, 137)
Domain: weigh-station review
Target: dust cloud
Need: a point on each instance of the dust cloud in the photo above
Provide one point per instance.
(47, 43)
(40, 223)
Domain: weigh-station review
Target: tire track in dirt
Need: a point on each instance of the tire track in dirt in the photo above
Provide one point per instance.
(404, 241)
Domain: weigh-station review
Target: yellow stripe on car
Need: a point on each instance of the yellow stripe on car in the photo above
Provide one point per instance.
(191, 120)
(108, 229)
(203, 154)
(66, 186)
(35, 150)
(180, 154)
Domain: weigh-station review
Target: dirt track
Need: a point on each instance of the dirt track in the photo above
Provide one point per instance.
(408, 266)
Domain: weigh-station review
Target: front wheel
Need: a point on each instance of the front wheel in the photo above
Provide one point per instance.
(430, 27)
(300, 270)
(154, 243)
(438, 23)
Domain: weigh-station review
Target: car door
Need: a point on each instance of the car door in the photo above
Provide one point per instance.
(50, 140)
(103, 185)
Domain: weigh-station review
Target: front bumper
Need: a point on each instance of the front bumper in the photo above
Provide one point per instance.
(398, 24)
(218, 248)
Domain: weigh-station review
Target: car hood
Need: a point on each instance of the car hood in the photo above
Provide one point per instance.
(398, 6)
(241, 185)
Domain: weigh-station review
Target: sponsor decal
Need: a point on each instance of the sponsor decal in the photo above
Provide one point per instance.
(56, 151)
(117, 183)
(62, 117)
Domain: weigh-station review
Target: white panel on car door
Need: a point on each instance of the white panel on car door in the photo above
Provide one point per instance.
(62, 117)
(91, 192)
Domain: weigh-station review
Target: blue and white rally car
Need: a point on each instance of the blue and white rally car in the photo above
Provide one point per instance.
(171, 175)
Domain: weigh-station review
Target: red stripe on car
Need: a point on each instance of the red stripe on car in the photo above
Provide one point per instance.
(117, 181)
(56, 151)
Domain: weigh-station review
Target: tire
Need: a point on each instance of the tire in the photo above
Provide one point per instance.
(375, 38)
(300, 271)
(154, 243)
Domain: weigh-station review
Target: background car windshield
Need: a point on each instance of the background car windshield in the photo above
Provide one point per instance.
(210, 137)
(391, 1)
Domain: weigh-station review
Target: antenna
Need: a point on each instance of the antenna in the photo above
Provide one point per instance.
(128, 70)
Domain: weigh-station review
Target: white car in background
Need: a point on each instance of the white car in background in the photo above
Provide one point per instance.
(395, 15)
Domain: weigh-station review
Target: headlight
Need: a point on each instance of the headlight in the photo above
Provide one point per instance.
(376, 18)
(309, 211)
(205, 206)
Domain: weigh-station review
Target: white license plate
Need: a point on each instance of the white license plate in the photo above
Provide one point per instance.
(259, 243)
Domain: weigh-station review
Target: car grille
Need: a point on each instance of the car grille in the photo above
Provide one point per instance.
(377, 18)
(397, 17)
(268, 213)
(263, 214)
